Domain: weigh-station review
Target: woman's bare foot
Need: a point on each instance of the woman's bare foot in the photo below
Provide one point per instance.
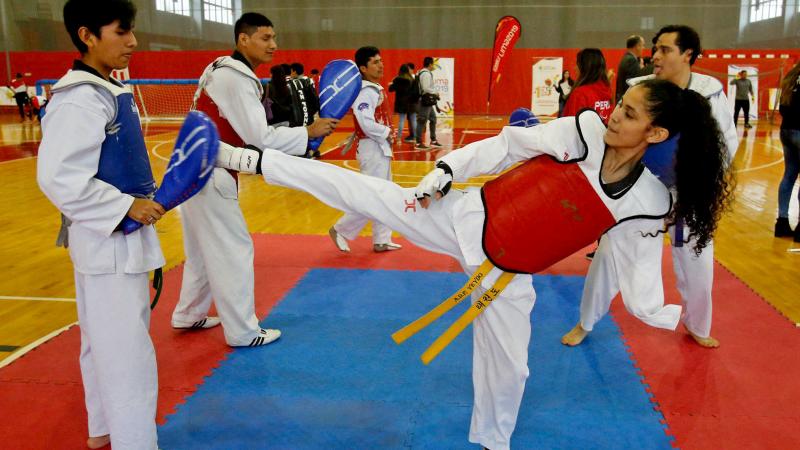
(98, 441)
(575, 336)
(707, 342)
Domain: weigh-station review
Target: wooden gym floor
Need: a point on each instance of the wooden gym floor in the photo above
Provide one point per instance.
(37, 291)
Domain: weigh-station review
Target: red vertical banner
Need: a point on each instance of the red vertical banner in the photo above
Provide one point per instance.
(506, 34)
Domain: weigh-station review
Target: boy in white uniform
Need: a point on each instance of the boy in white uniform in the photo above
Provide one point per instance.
(93, 165)
(219, 249)
(375, 137)
(676, 49)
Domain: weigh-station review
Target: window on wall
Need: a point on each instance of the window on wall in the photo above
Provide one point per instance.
(174, 6)
(765, 9)
(218, 11)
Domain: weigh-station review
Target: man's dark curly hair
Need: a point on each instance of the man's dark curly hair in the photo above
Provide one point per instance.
(702, 179)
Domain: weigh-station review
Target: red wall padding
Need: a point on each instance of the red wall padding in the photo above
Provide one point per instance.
(471, 78)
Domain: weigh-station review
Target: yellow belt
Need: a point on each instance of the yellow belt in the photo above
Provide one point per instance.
(458, 326)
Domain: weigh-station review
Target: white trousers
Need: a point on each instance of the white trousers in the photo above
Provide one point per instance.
(694, 276)
(374, 163)
(219, 261)
(118, 362)
(501, 334)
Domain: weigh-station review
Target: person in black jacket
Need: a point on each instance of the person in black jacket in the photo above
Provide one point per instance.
(280, 95)
(400, 86)
(631, 65)
(790, 138)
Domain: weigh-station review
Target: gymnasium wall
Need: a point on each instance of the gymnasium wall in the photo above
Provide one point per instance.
(323, 24)
(471, 68)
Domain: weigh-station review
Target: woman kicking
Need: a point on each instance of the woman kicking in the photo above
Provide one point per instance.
(579, 181)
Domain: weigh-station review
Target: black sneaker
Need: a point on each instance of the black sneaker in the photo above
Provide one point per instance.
(797, 233)
(435, 144)
(783, 229)
(747, 125)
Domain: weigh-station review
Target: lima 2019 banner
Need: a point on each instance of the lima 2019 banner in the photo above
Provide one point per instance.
(443, 77)
(546, 75)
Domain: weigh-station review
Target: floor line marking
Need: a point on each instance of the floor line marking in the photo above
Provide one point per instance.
(22, 351)
(155, 153)
(38, 299)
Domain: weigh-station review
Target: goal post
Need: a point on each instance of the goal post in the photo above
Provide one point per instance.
(157, 99)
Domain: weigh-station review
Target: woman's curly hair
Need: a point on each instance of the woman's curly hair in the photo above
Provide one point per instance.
(702, 178)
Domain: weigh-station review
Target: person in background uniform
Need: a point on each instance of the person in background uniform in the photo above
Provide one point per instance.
(676, 49)
(790, 138)
(21, 96)
(744, 93)
(400, 86)
(219, 249)
(375, 135)
(592, 89)
(93, 165)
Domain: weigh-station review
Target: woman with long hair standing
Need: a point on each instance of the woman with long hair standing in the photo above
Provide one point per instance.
(592, 89)
(790, 138)
(564, 87)
(400, 86)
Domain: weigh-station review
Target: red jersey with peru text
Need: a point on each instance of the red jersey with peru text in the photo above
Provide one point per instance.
(596, 96)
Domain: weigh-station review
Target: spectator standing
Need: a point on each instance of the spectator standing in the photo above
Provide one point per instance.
(790, 138)
(592, 90)
(279, 95)
(564, 87)
(744, 93)
(631, 66)
(427, 103)
(400, 86)
(20, 89)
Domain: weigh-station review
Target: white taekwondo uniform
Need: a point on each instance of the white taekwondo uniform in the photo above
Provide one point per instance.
(373, 128)
(92, 162)
(219, 249)
(454, 226)
(694, 274)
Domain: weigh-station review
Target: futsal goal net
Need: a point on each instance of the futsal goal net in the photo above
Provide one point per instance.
(157, 99)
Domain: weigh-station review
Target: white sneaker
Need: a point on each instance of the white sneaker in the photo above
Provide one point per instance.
(338, 240)
(389, 246)
(207, 322)
(265, 337)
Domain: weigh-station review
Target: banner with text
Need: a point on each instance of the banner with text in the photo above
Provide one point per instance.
(544, 97)
(444, 70)
(506, 34)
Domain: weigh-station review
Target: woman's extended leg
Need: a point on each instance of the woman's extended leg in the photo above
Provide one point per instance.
(375, 198)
